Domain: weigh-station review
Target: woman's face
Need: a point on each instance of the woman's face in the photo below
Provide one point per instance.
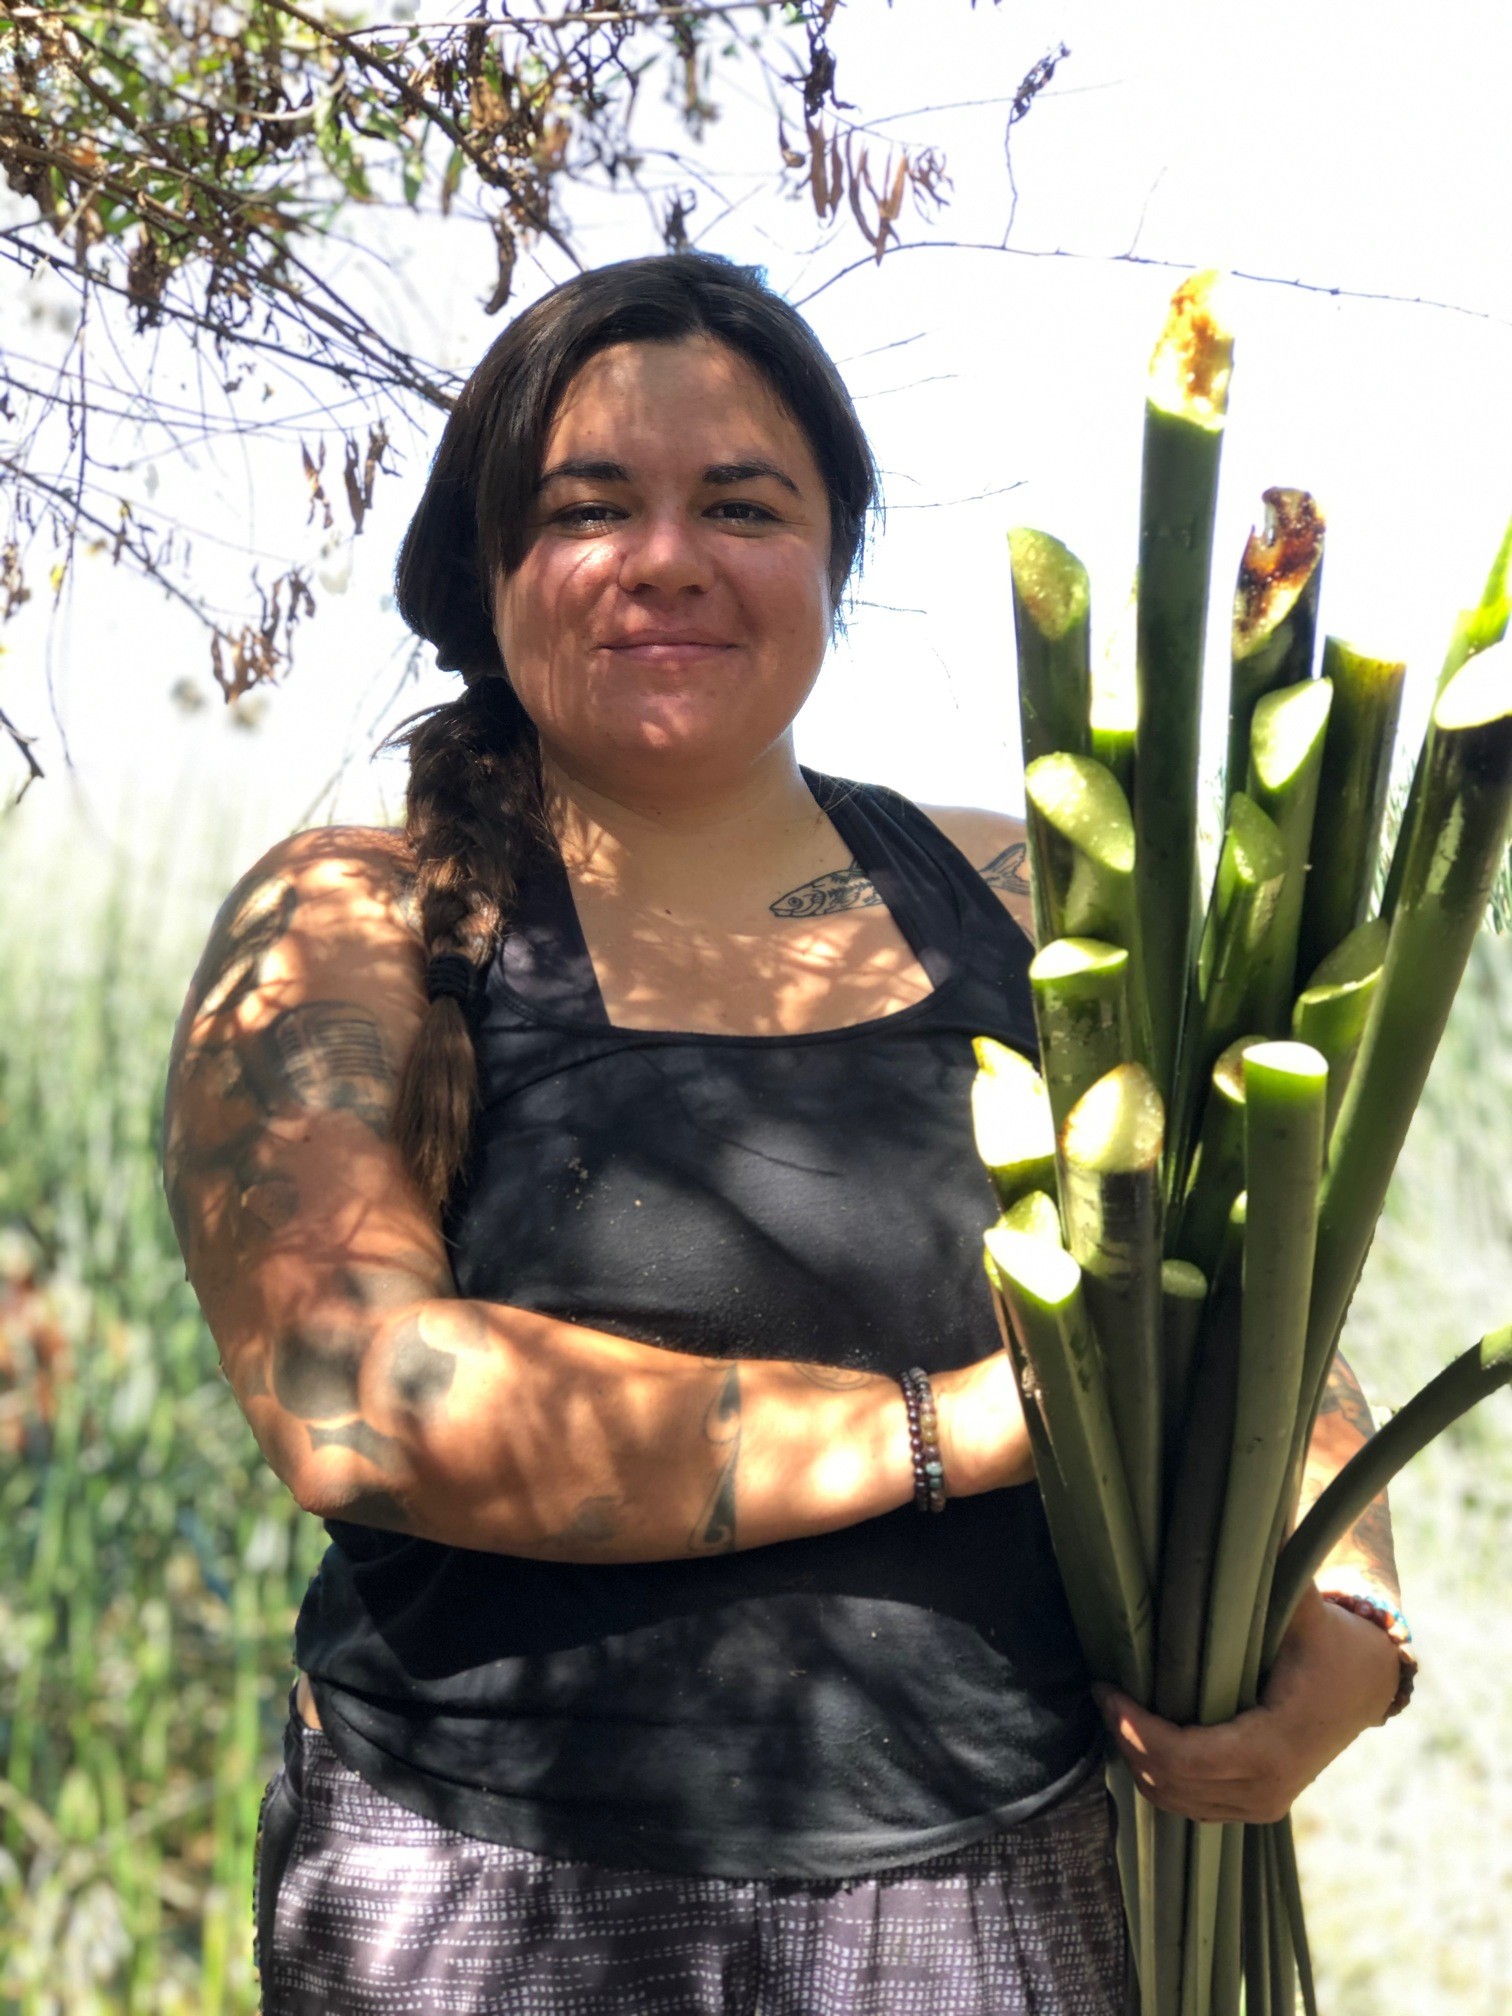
(672, 609)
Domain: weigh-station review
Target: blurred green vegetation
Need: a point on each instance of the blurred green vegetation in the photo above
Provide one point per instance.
(151, 1565)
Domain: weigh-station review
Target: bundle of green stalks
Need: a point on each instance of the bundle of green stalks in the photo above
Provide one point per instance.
(1191, 1180)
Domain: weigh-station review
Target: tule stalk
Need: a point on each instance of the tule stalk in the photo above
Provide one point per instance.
(1472, 1377)
(1041, 1292)
(1109, 1168)
(1284, 1091)
(1286, 764)
(1081, 1010)
(1183, 1297)
(1357, 751)
(1184, 415)
(1275, 614)
(1081, 839)
(1457, 845)
(1052, 626)
(1475, 630)
(1332, 1010)
(1217, 1169)
(1010, 1117)
(1246, 897)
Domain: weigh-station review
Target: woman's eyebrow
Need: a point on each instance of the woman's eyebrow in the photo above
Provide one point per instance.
(588, 470)
(745, 472)
(592, 469)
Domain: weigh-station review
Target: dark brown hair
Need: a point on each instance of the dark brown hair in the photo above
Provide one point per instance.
(474, 811)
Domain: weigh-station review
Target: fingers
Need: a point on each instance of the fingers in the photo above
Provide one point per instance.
(1235, 1771)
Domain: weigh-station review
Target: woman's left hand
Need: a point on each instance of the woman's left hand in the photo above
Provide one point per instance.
(1335, 1675)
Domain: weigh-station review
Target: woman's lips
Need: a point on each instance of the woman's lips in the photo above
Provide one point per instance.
(667, 650)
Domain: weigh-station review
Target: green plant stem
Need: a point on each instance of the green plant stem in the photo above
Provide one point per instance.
(1201, 1480)
(1275, 614)
(1477, 1373)
(1080, 990)
(1010, 1117)
(1289, 1885)
(1285, 1085)
(1081, 840)
(1184, 416)
(1286, 762)
(1183, 1296)
(1109, 1168)
(1041, 1292)
(1217, 1171)
(1457, 845)
(1052, 628)
(1228, 1924)
(1241, 915)
(1475, 630)
(1331, 1011)
(1357, 752)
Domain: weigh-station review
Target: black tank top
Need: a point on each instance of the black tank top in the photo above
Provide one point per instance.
(817, 1708)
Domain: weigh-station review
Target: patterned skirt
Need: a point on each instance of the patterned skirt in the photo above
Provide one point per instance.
(363, 1908)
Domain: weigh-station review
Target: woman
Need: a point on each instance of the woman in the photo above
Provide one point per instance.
(569, 1185)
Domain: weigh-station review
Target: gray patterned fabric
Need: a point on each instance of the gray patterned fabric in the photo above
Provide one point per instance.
(364, 1908)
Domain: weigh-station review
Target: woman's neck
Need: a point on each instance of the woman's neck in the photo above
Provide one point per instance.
(700, 850)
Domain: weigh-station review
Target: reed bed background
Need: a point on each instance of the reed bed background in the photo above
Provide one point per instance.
(150, 1565)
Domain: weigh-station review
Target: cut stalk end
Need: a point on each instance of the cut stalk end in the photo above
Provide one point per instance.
(1193, 360)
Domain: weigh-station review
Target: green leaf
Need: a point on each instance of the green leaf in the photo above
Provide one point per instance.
(414, 176)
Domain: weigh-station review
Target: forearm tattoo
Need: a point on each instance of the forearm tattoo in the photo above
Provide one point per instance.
(236, 1097)
(1369, 1539)
(715, 1531)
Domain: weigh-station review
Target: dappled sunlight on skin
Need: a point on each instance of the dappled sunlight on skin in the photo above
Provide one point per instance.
(659, 972)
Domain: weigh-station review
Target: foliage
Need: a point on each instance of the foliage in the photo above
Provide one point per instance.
(150, 1563)
(206, 167)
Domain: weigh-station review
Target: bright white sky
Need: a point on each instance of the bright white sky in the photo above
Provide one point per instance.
(1368, 149)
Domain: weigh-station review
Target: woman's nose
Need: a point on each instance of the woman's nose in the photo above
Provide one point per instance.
(664, 551)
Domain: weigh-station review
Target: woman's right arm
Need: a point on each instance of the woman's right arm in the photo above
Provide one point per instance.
(379, 1396)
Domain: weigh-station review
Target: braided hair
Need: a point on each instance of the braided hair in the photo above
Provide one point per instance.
(475, 809)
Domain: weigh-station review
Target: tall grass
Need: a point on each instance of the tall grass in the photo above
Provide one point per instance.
(150, 1564)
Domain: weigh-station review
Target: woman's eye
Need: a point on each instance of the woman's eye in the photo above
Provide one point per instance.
(587, 514)
(742, 511)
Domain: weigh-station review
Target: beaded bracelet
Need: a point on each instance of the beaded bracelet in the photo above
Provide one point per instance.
(1388, 1618)
(924, 1440)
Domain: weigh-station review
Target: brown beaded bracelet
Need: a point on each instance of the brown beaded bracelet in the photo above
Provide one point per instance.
(924, 1440)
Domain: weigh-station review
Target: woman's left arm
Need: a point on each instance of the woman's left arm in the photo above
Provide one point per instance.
(1335, 1676)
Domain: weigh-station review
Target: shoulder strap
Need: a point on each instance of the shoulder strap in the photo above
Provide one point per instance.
(917, 869)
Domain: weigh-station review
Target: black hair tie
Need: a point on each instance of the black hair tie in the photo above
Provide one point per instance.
(451, 977)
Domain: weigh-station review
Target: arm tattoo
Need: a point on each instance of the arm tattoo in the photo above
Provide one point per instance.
(828, 895)
(1370, 1537)
(321, 1057)
(595, 1524)
(316, 1371)
(1006, 870)
(1343, 1396)
(379, 1450)
(420, 1376)
(836, 1378)
(715, 1531)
